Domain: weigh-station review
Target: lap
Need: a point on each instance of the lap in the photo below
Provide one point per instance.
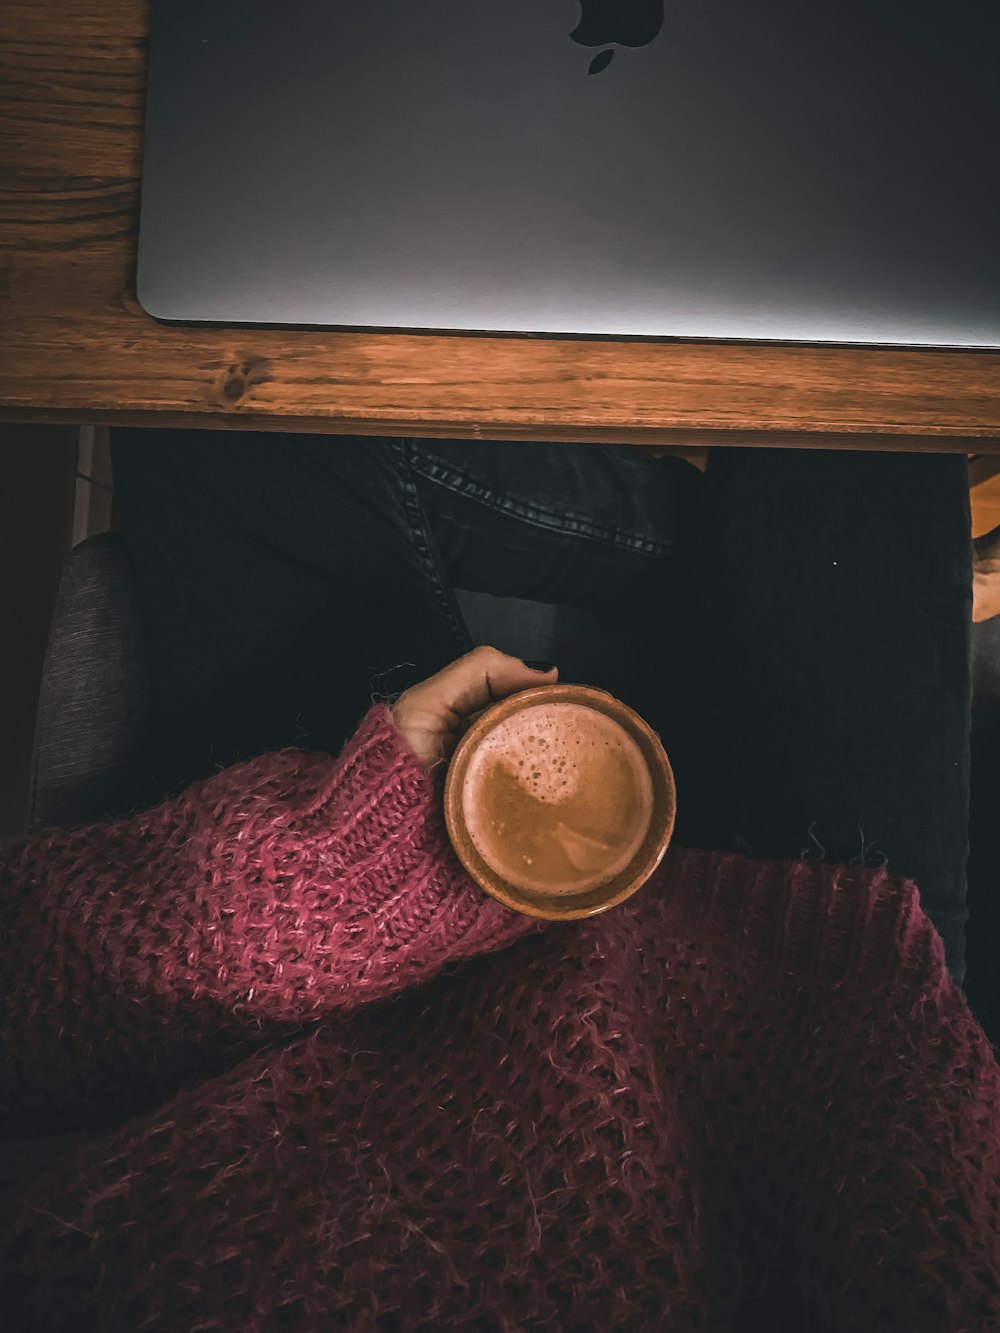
(285, 580)
(591, 526)
(818, 605)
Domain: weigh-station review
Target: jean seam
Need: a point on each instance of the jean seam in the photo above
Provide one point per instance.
(538, 515)
(419, 535)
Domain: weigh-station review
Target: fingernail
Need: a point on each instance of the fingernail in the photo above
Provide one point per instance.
(538, 666)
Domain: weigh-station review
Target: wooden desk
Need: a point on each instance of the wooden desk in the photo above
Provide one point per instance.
(76, 347)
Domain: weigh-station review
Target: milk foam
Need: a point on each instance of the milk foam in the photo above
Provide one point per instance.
(541, 747)
(547, 748)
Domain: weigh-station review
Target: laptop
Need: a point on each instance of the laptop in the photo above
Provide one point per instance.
(695, 169)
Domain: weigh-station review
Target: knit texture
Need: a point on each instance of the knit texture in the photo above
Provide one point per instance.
(327, 1083)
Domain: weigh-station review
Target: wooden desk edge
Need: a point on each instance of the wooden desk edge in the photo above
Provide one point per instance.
(817, 438)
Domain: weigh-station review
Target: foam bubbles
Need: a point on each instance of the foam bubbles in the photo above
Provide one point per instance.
(590, 798)
(537, 747)
(546, 745)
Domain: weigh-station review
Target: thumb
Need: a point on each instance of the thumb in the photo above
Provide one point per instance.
(485, 675)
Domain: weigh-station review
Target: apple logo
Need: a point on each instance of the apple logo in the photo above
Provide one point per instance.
(624, 22)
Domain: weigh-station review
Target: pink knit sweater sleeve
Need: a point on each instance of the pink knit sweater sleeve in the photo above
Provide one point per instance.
(138, 954)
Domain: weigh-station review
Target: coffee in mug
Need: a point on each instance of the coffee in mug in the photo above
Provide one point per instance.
(560, 800)
(557, 798)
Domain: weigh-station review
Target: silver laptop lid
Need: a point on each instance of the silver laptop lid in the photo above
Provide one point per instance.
(707, 169)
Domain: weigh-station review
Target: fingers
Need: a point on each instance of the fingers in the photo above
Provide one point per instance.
(483, 676)
(434, 714)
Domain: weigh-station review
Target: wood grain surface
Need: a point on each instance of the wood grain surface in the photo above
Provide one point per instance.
(75, 346)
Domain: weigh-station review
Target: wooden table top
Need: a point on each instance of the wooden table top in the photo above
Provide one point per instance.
(75, 346)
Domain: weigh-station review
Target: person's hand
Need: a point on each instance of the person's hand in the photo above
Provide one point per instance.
(432, 715)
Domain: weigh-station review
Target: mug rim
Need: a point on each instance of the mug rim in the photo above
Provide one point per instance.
(601, 897)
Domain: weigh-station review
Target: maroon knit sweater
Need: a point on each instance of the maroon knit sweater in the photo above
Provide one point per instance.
(327, 1083)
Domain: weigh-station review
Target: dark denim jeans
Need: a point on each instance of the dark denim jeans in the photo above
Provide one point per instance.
(809, 613)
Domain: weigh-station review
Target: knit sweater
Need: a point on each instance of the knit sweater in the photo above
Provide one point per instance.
(319, 1080)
